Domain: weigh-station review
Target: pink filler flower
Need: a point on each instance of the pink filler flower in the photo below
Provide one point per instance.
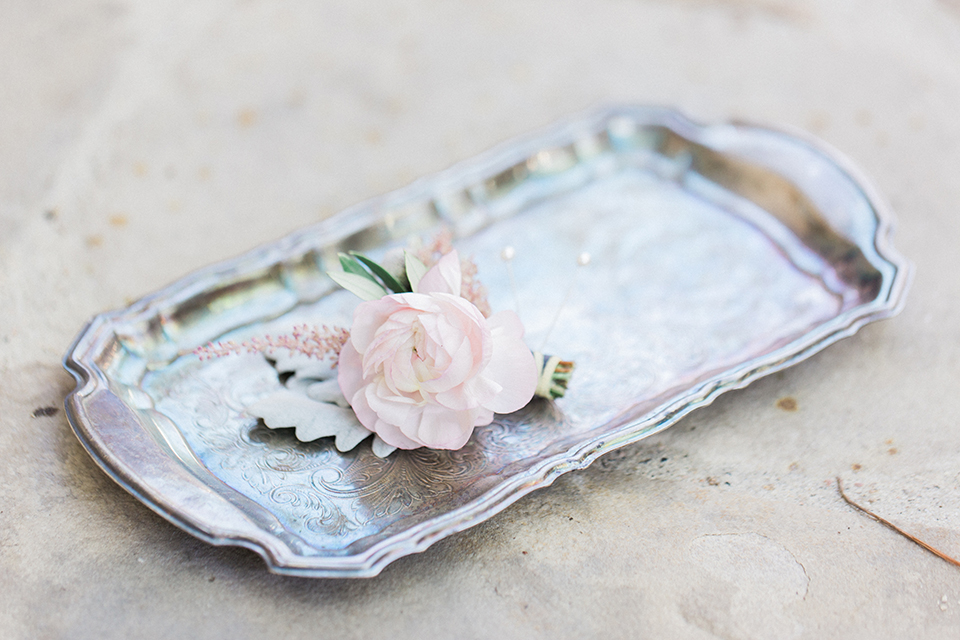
(423, 369)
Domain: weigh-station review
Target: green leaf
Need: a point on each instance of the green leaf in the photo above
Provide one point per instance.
(350, 265)
(415, 269)
(384, 275)
(362, 286)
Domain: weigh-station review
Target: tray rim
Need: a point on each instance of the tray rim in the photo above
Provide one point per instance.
(280, 558)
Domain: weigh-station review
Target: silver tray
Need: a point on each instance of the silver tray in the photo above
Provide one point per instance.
(720, 253)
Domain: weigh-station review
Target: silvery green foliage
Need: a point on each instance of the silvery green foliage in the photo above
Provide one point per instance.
(313, 404)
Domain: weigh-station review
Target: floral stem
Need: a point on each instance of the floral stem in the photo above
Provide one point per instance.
(553, 375)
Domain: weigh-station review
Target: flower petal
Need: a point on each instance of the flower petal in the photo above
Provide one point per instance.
(443, 277)
(457, 373)
(394, 409)
(368, 317)
(484, 417)
(511, 366)
(472, 394)
(392, 435)
(349, 371)
(441, 428)
(426, 368)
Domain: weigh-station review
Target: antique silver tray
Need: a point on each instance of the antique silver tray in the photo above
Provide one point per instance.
(720, 254)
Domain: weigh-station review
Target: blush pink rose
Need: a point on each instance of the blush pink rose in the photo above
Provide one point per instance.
(423, 369)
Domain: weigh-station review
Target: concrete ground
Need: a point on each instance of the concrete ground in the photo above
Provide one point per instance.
(139, 141)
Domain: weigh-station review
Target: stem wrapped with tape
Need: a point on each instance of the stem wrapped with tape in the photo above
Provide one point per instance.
(553, 375)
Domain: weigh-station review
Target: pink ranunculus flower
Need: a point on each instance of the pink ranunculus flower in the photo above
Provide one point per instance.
(423, 369)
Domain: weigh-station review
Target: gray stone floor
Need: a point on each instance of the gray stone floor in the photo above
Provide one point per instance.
(139, 141)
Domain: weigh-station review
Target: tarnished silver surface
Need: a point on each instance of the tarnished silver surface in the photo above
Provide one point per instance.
(719, 254)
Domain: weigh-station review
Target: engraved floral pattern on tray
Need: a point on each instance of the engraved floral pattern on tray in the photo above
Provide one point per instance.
(329, 498)
(709, 306)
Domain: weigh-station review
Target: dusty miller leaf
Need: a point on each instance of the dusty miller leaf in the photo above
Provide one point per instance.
(327, 391)
(311, 419)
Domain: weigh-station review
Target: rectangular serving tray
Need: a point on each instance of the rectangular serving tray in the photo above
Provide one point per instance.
(720, 254)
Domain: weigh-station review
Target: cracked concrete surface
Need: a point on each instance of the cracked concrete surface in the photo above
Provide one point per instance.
(140, 141)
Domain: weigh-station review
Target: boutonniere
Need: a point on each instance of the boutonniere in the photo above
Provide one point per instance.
(424, 362)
